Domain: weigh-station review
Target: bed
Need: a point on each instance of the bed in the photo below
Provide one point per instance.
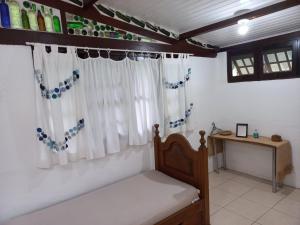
(175, 193)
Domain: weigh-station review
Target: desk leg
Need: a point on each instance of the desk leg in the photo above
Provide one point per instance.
(274, 182)
(216, 163)
(224, 155)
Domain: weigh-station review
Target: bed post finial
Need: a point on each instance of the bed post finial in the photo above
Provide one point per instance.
(202, 140)
(157, 142)
(156, 129)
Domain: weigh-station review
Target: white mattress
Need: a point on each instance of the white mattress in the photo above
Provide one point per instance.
(143, 199)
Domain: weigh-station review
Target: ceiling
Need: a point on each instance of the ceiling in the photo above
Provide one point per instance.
(281, 22)
(184, 15)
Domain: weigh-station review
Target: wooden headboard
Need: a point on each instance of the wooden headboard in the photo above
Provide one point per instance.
(176, 158)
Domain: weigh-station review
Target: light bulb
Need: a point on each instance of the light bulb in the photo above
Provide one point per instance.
(243, 26)
(243, 30)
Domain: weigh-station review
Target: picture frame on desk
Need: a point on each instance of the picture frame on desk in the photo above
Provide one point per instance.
(242, 130)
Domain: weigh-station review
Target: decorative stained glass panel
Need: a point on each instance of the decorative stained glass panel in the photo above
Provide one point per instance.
(78, 25)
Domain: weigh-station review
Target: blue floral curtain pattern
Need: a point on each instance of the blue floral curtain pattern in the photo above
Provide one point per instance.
(60, 146)
(184, 120)
(180, 83)
(56, 92)
(177, 109)
(59, 130)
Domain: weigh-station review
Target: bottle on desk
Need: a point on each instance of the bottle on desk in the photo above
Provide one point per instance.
(255, 134)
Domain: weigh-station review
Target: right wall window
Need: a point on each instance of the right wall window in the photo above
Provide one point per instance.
(267, 62)
(278, 60)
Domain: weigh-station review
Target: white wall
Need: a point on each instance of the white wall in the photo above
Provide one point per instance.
(273, 107)
(269, 106)
(202, 87)
(23, 187)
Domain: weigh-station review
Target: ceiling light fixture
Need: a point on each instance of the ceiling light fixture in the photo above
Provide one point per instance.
(243, 26)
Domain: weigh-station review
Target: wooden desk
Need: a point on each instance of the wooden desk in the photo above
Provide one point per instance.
(281, 152)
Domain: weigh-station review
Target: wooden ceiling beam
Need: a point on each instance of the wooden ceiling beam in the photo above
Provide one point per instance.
(232, 21)
(89, 3)
(20, 37)
(93, 14)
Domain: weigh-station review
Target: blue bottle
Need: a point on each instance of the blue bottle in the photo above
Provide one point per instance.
(4, 11)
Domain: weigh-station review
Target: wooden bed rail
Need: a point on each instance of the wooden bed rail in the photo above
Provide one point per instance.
(176, 158)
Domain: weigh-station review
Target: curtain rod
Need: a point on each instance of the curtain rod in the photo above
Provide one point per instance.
(105, 49)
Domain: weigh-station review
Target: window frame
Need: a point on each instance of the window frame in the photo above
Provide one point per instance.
(257, 51)
(280, 75)
(242, 78)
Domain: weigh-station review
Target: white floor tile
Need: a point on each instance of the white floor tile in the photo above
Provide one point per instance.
(221, 197)
(266, 198)
(268, 187)
(264, 187)
(274, 217)
(225, 217)
(247, 181)
(216, 180)
(227, 174)
(289, 207)
(234, 187)
(295, 195)
(248, 209)
(214, 208)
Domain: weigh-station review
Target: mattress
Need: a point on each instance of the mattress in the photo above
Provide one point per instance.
(144, 199)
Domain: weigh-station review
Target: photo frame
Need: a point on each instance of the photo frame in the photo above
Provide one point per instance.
(242, 130)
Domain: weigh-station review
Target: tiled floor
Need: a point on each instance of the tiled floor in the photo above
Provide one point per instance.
(241, 200)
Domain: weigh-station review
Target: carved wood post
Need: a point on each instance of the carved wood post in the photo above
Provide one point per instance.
(157, 142)
(204, 191)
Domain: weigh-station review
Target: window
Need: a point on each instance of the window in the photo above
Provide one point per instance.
(242, 65)
(264, 62)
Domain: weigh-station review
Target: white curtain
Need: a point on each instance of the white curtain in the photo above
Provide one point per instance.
(120, 101)
(88, 108)
(59, 116)
(177, 108)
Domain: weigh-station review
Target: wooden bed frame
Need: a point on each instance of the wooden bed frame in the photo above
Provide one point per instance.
(176, 158)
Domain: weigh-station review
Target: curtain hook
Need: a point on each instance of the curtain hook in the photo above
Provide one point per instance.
(88, 53)
(108, 54)
(99, 53)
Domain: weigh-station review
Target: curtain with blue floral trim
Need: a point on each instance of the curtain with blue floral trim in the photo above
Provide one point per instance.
(60, 121)
(177, 108)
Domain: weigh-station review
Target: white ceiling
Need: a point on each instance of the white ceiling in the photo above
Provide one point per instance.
(281, 22)
(185, 15)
